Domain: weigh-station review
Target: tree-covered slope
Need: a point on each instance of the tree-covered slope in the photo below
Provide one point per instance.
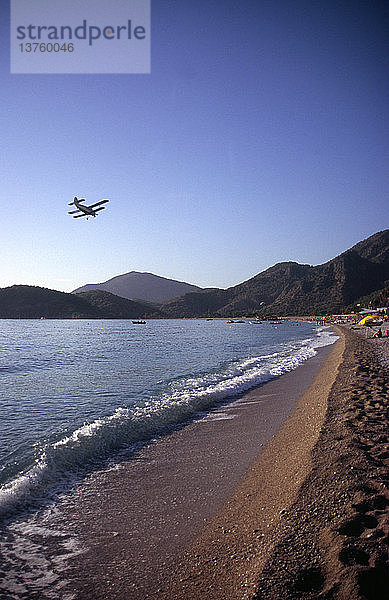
(32, 302)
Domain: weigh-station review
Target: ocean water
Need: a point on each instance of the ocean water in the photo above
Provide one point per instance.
(76, 395)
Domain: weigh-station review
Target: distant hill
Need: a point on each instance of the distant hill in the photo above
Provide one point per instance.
(32, 302)
(109, 306)
(141, 286)
(289, 288)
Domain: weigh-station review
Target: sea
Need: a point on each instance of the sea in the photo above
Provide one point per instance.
(78, 395)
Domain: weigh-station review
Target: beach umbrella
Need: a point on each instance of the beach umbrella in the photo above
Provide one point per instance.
(368, 320)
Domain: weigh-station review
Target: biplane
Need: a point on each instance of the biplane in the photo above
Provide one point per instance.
(84, 210)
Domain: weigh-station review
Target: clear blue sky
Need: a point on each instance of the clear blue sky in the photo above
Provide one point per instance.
(259, 136)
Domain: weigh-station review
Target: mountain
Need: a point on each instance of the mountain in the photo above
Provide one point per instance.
(294, 289)
(32, 302)
(357, 276)
(144, 286)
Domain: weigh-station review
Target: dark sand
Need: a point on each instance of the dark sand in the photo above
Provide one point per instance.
(136, 521)
(335, 542)
(225, 519)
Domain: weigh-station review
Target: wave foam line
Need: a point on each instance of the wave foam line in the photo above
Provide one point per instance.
(128, 426)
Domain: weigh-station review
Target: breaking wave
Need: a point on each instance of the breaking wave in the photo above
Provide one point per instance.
(60, 461)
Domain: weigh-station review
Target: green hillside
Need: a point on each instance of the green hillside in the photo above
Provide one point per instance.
(32, 302)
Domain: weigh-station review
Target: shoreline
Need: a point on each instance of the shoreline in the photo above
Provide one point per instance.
(225, 559)
(329, 541)
(136, 520)
(303, 516)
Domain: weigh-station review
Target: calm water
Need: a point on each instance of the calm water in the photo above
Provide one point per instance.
(74, 393)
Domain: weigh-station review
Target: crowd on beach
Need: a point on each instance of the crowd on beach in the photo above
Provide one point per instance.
(369, 324)
(375, 323)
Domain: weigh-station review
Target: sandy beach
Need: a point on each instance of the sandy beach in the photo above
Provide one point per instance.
(335, 542)
(319, 527)
(256, 501)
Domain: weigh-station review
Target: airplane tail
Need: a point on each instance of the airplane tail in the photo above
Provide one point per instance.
(74, 199)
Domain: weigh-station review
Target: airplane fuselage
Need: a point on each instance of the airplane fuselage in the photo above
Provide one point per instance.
(85, 209)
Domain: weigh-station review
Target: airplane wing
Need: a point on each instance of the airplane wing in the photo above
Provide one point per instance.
(82, 215)
(101, 208)
(98, 203)
(72, 212)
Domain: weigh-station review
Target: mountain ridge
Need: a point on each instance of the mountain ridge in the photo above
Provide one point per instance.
(287, 288)
(292, 288)
(142, 286)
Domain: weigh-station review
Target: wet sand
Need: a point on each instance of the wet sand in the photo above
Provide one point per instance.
(226, 558)
(138, 520)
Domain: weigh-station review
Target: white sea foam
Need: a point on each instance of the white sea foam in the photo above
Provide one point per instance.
(30, 570)
(324, 337)
(128, 426)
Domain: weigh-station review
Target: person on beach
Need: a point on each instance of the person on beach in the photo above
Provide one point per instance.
(378, 334)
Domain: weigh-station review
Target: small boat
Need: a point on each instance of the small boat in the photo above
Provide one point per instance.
(139, 322)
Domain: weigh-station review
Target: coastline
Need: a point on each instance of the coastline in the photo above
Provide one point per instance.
(225, 559)
(136, 520)
(306, 518)
(329, 539)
